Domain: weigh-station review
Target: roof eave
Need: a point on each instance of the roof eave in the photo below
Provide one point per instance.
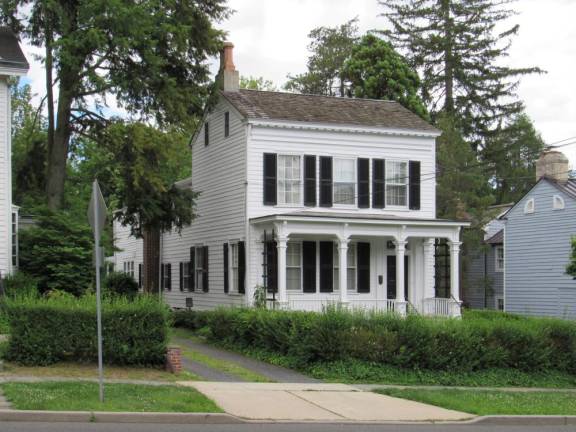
(16, 70)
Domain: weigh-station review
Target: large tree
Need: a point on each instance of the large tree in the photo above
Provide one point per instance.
(330, 48)
(511, 156)
(459, 47)
(257, 83)
(147, 56)
(376, 71)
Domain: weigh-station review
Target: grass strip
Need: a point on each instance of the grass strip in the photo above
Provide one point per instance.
(492, 402)
(82, 396)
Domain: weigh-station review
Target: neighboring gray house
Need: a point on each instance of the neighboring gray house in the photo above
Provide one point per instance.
(537, 234)
(483, 286)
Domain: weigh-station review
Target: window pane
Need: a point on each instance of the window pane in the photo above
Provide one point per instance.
(396, 195)
(293, 279)
(344, 193)
(293, 255)
(396, 172)
(344, 170)
(351, 279)
(288, 179)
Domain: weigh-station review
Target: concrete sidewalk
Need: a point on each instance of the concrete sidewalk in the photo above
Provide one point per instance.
(317, 402)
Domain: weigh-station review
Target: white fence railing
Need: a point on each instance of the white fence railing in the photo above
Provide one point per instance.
(441, 307)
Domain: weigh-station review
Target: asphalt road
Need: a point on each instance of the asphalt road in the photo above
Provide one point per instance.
(124, 427)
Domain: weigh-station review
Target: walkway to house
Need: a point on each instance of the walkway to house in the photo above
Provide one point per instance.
(271, 372)
(317, 402)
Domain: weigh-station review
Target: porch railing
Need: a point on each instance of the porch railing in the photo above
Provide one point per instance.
(441, 307)
(317, 305)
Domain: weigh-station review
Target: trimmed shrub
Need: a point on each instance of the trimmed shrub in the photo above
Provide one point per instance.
(20, 284)
(120, 284)
(470, 344)
(49, 330)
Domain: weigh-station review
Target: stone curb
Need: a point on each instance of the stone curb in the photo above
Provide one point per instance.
(524, 420)
(117, 417)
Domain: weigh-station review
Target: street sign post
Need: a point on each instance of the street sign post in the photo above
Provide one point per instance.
(97, 218)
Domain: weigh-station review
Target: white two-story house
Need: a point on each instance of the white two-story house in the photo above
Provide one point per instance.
(12, 63)
(319, 200)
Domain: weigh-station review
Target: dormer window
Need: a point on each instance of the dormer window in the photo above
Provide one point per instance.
(529, 206)
(558, 202)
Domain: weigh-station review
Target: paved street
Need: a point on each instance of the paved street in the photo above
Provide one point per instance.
(110, 427)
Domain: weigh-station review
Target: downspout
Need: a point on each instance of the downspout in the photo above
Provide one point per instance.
(248, 245)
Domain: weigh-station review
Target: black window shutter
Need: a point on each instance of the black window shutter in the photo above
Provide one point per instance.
(192, 269)
(325, 181)
(169, 277)
(140, 276)
(363, 267)
(241, 267)
(378, 186)
(269, 178)
(206, 134)
(326, 266)
(310, 181)
(181, 276)
(205, 277)
(162, 270)
(363, 183)
(309, 266)
(225, 253)
(226, 124)
(391, 276)
(271, 267)
(414, 191)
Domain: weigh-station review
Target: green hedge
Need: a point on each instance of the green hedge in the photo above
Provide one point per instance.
(48, 330)
(470, 344)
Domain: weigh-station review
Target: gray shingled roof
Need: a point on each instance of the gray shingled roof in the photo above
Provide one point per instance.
(11, 54)
(265, 105)
(497, 238)
(568, 187)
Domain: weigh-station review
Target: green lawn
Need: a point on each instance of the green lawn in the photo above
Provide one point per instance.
(83, 396)
(493, 402)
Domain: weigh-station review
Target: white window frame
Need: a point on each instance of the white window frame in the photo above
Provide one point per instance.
(15, 252)
(299, 267)
(186, 275)
(352, 265)
(530, 206)
(233, 264)
(335, 201)
(498, 261)
(388, 182)
(198, 269)
(280, 202)
(129, 268)
(166, 277)
(558, 202)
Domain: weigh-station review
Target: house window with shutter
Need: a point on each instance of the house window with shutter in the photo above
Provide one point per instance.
(294, 266)
(226, 124)
(289, 180)
(344, 181)
(185, 284)
(166, 277)
(234, 266)
(351, 272)
(199, 273)
(499, 256)
(129, 268)
(396, 183)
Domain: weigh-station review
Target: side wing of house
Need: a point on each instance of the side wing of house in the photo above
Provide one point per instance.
(5, 181)
(537, 249)
(484, 284)
(219, 176)
(128, 257)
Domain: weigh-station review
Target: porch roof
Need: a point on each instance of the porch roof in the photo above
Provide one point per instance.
(355, 218)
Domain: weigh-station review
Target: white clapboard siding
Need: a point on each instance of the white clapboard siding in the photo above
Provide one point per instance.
(340, 144)
(129, 248)
(5, 181)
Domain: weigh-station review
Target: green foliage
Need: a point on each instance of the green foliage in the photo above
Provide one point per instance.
(260, 296)
(376, 71)
(330, 48)
(57, 252)
(511, 153)
(120, 284)
(457, 48)
(20, 284)
(415, 342)
(571, 268)
(49, 330)
(254, 83)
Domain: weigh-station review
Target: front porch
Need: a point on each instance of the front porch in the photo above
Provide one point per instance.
(360, 263)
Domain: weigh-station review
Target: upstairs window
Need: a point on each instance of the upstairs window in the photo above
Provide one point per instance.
(226, 124)
(344, 181)
(396, 183)
(558, 202)
(529, 206)
(289, 180)
(206, 134)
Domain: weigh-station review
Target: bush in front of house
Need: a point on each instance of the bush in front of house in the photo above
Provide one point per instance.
(47, 330)
(415, 342)
(120, 284)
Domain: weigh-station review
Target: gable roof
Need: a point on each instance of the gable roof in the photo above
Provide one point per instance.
(266, 105)
(11, 55)
(497, 238)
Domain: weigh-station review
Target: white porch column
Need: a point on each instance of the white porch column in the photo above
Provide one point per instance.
(400, 306)
(428, 248)
(455, 278)
(281, 245)
(343, 270)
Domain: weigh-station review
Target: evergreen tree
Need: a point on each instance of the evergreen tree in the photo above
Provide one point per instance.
(376, 71)
(149, 55)
(511, 156)
(330, 48)
(456, 48)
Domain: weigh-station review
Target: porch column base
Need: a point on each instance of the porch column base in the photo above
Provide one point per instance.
(455, 309)
(401, 308)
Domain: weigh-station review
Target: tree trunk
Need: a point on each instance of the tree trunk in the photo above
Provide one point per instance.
(151, 260)
(448, 60)
(49, 85)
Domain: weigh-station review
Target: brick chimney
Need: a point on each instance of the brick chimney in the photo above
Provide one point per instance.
(553, 165)
(229, 76)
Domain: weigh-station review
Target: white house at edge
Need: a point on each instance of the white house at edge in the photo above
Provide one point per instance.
(320, 200)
